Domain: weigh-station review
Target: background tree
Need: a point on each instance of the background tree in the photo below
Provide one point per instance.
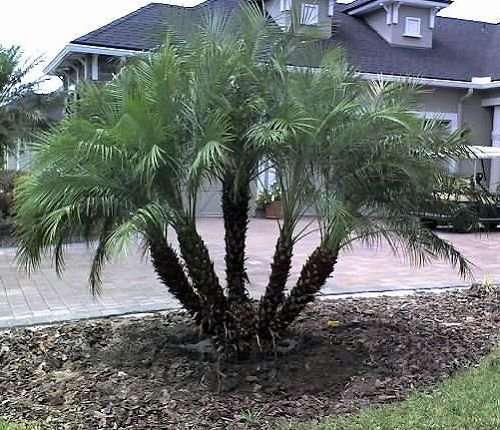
(134, 154)
(18, 114)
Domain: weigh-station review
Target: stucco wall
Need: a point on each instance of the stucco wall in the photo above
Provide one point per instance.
(273, 7)
(378, 21)
(479, 121)
(440, 100)
(398, 30)
(476, 119)
(322, 30)
(395, 33)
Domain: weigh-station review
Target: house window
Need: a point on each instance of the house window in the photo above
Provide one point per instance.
(309, 14)
(412, 28)
(286, 5)
(331, 7)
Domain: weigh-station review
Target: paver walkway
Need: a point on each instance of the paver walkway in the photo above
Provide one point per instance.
(130, 284)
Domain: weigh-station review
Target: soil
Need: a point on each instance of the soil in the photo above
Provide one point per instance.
(343, 355)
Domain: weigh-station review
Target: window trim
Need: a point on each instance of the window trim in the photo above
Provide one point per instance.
(408, 22)
(306, 20)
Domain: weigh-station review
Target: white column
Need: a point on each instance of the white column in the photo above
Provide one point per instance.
(85, 63)
(395, 12)
(432, 17)
(388, 11)
(95, 67)
(495, 142)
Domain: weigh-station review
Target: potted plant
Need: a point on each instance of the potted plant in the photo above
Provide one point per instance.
(269, 203)
(261, 202)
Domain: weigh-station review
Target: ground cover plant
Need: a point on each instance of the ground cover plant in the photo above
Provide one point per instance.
(4, 425)
(133, 155)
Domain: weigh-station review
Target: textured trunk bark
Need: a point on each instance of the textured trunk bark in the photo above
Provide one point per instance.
(275, 290)
(200, 267)
(205, 281)
(235, 207)
(170, 271)
(313, 276)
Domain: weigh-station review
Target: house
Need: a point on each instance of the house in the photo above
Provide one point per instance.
(457, 60)
(50, 109)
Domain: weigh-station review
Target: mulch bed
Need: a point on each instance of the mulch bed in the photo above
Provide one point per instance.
(137, 373)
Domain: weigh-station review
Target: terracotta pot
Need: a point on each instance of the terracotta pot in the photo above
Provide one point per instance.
(274, 210)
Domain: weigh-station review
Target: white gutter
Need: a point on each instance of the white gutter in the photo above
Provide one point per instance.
(475, 84)
(74, 48)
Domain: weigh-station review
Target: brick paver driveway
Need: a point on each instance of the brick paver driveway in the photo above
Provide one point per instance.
(130, 285)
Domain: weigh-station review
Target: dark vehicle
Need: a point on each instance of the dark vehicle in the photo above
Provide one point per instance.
(468, 202)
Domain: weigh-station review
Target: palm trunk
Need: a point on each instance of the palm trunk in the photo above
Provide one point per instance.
(275, 290)
(313, 276)
(217, 320)
(170, 271)
(201, 268)
(235, 207)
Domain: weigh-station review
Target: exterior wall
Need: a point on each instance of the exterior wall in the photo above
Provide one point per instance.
(398, 30)
(324, 26)
(394, 33)
(283, 19)
(273, 7)
(440, 100)
(476, 119)
(479, 121)
(378, 21)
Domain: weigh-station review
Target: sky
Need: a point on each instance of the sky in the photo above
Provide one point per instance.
(44, 27)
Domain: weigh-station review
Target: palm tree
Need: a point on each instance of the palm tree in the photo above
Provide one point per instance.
(18, 115)
(134, 154)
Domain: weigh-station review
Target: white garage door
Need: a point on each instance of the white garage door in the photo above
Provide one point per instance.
(209, 201)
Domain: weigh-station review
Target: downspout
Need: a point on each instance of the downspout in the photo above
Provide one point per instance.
(461, 102)
(454, 167)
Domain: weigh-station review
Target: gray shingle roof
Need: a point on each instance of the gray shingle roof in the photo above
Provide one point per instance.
(144, 28)
(462, 49)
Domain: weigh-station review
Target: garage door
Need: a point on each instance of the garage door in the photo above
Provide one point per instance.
(209, 201)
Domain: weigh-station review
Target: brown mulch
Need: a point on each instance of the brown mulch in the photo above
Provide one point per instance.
(137, 373)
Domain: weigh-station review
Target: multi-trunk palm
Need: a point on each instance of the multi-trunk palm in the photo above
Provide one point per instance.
(135, 153)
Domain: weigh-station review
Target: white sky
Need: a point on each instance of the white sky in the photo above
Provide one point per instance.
(44, 27)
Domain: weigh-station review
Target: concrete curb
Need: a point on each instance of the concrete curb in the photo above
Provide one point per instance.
(151, 312)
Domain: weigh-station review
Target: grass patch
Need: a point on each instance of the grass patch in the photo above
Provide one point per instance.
(469, 401)
(4, 425)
